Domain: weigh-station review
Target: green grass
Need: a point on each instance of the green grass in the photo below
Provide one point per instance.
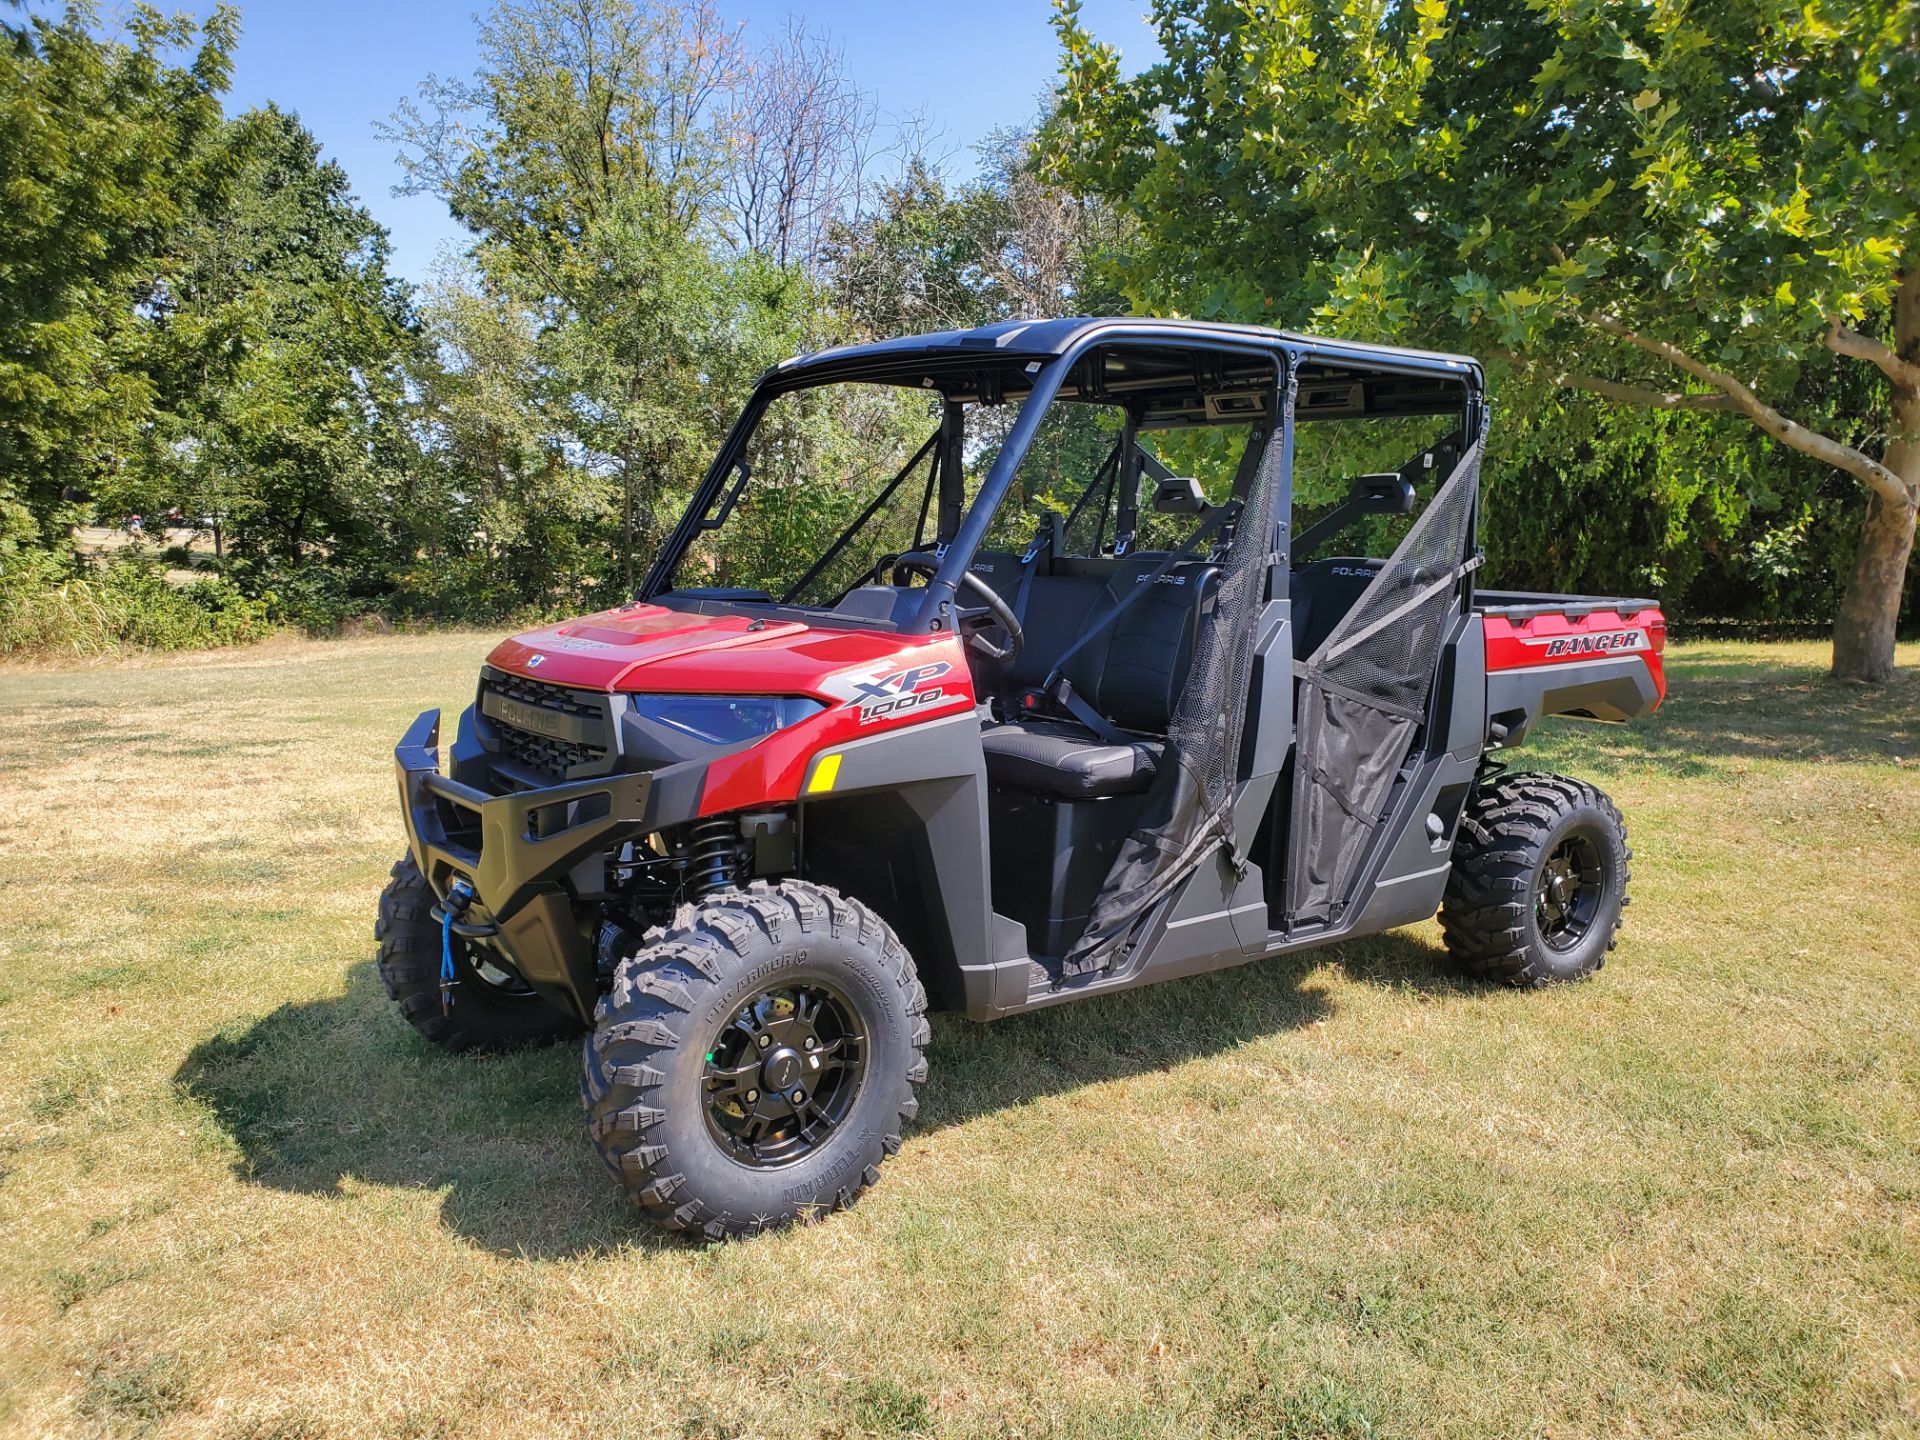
(1339, 1195)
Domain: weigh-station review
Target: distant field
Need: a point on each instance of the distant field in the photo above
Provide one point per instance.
(100, 542)
(1337, 1195)
(103, 539)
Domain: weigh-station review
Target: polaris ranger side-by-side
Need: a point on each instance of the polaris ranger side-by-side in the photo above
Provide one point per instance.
(1068, 704)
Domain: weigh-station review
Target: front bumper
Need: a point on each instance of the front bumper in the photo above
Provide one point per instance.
(529, 855)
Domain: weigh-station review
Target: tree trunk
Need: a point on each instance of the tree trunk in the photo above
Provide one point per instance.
(1863, 629)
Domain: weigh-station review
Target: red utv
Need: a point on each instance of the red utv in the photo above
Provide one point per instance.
(1067, 705)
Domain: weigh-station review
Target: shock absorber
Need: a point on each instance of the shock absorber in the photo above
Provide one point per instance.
(715, 847)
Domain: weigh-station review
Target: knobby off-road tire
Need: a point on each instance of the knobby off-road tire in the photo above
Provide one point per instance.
(1539, 881)
(699, 994)
(491, 1012)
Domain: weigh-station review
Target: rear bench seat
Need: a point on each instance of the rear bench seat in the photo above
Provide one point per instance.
(1322, 594)
(1131, 673)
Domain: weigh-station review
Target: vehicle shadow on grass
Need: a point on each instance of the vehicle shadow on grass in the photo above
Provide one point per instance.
(1723, 710)
(323, 1096)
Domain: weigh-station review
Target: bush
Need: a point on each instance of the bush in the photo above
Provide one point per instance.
(314, 598)
(51, 606)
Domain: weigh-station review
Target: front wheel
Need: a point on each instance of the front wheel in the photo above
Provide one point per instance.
(1539, 881)
(489, 1009)
(754, 1063)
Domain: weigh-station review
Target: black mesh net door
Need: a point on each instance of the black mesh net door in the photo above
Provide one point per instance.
(1363, 694)
(1188, 812)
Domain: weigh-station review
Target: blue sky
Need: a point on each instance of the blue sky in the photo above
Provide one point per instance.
(345, 65)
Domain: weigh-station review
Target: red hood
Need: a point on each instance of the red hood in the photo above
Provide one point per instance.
(643, 647)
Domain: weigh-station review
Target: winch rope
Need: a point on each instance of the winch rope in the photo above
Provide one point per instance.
(456, 903)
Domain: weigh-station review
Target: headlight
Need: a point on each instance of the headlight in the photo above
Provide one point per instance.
(721, 719)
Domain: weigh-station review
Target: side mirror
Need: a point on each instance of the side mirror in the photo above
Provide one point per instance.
(1383, 494)
(1182, 495)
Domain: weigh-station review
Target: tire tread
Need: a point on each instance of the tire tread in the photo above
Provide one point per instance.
(654, 994)
(1486, 914)
(409, 966)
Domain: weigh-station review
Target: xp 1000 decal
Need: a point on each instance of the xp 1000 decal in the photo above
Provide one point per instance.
(901, 692)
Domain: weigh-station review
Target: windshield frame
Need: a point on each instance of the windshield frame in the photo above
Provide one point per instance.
(912, 370)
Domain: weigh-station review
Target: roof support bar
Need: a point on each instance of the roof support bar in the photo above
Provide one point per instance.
(953, 444)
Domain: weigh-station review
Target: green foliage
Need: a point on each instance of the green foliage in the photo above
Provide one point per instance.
(278, 353)
(197, 316)
(195, 312)
(585, 157)
(1731, 175)
(817, 460)
(933, 256)
(1728, 176)
(50, 606)
(1587, 498)
(101, 150)
(1703, 511)
(1530, 179)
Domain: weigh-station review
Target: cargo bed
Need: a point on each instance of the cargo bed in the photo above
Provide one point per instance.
(1517, 604)
(1592, 657)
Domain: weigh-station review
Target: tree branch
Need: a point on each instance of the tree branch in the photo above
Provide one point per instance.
(1645, 395)
(1843, 341)
(1877, 477)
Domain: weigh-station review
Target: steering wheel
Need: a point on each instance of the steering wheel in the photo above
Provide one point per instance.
(926, 564)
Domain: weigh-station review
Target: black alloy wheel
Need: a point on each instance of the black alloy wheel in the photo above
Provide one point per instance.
(1571, 889)
(784, 1073)
(753, 1064)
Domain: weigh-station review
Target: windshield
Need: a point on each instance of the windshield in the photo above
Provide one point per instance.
(1074, 470)
(833, 479)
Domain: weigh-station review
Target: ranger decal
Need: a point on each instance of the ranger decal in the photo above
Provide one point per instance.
(1600, 642)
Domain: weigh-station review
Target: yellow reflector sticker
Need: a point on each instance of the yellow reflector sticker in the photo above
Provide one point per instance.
(825, 771)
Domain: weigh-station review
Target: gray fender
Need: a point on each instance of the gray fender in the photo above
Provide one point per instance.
(905, 830)
(1607, 687)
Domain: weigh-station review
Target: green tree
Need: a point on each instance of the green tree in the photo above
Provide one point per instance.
(278, 355)
(100, 147)
(586, 157)
(907, 265)
(501, 521)
(1007, 244)
(1670, 206)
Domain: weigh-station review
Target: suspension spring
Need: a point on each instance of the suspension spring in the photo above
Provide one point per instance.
(715, 846)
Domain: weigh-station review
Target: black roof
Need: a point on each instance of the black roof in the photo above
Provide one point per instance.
(1048, 338)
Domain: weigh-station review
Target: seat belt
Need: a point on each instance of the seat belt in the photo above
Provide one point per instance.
(1046, 541)
(1088, 716)
(1060, 688)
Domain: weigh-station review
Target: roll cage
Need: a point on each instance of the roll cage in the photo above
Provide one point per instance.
(1229, 374)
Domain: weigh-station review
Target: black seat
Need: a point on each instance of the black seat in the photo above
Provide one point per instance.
(1131, 673)
(1058, 757)
(1322, 594)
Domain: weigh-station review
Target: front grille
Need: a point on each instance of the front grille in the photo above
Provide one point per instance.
(547, 730)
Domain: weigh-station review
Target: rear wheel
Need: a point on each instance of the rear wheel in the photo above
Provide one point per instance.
(490, 1008)
(1539, 881)
(755, 1063)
